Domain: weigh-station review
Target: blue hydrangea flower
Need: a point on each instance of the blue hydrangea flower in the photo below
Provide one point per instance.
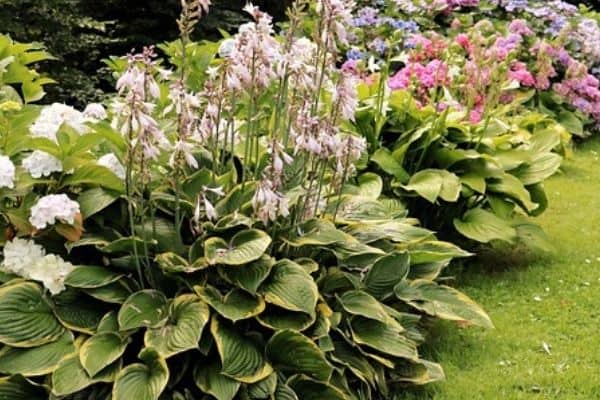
(367, 16)
(355, 54)
(378, 45)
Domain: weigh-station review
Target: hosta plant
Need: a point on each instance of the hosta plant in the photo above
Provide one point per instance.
(209, 236)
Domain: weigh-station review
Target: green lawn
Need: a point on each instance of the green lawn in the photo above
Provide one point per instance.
(546, 309)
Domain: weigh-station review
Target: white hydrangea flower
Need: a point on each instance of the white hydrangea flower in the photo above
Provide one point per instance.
(95, 111)
(7, 173)
(111, 162)
(51, 270)
(53, 116)
(51, 208)
(28, 260)
(20, 253)
(39, 163)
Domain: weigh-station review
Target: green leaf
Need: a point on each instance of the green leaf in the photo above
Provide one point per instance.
(538, 169)
(70, 376)
(289, 286)
(359, 302)
(240, 357)
(245, 246)
(570, 121)
(18, 388)
(116, 292)
(235, 305)
(383, 338)
(370, 185)
(420, 372)
(309, 389)
(292, 351)
(36, 361)
(442, 302)
(386, 161)
(264, 389)
(146, 308)
(483, 226)
(101, 350)
(142, 381)
(435, 251)
(534, 237)
(277, 319)
(210, 380)
(94, 200)
(187, 318)
(251, 276)
(427, 183)
(26, 315)
(512, 187)
(386, 273)
(85, 277)
(95, 175)
(78, 312)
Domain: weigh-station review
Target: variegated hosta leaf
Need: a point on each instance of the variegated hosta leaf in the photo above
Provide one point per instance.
(101, 350)
(146, 308)
(245, 246)
(356, 362)
(420, 372)
(294, 352)
(210, 380)
(396, 231)
(359, 302)
(91, 277)
(310, 389)
(276, 318)
(187, 317)
(484, 226)
(318, 233)
(382, 337)
(240, 357)
(442, 302)
(78, 312)
(116, 292)
(433, 183)
(36, 361)
(264, 389)
(70, 376)
(26, 315)
(289, 286)
(235, 305)
(251, 276)
(540, 168)
(434, 251)
(385, 273)
(18, 388)
(143, 381)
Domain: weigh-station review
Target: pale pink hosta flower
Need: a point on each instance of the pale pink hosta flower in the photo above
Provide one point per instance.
(337, 15)
(254, 53)
(298, 62)
(345, 96)
(268, 203)
(184, 149)
(203, 203)
(350, 150)
(279, 158)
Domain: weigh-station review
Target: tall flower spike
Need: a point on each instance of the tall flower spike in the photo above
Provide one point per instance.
(191, 12)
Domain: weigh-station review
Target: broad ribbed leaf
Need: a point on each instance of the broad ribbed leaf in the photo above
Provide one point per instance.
(386, 273)
(359, 302)
(309, 389)
(420, 372)
(433, 183)
(484, 226)
(386, 161)
(358, 364)
(18, 388)
(510, 186)
(435, 251)
(317, 233)
(95, 175)
(241, 359)
(91, 277)
(210, 380)
(292, 351)
(187, 317)
(146, 308)
(244, 247)
(442, 302)
(116, 292)
(36, 361)
(396, 231)
(383, 338)
(101, 350)
(284, 392)
(251, 276)
(264, 389)
(70, 376)
(78, 312)
(95, 200)
(235, 305)
(289, 286)
(277, 319)
(26, 315)
(538, 169)
(370, 185)
(142, 381)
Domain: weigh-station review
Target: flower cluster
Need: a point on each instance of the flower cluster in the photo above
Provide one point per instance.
(112, 162)
(30, 261)
(7, 173)
(52, 117)
(52, 208)
(39, 164)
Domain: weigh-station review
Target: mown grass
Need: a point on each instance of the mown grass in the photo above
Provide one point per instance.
(546, 309)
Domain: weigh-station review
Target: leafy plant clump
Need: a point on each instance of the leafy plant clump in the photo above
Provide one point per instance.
(209, 234)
